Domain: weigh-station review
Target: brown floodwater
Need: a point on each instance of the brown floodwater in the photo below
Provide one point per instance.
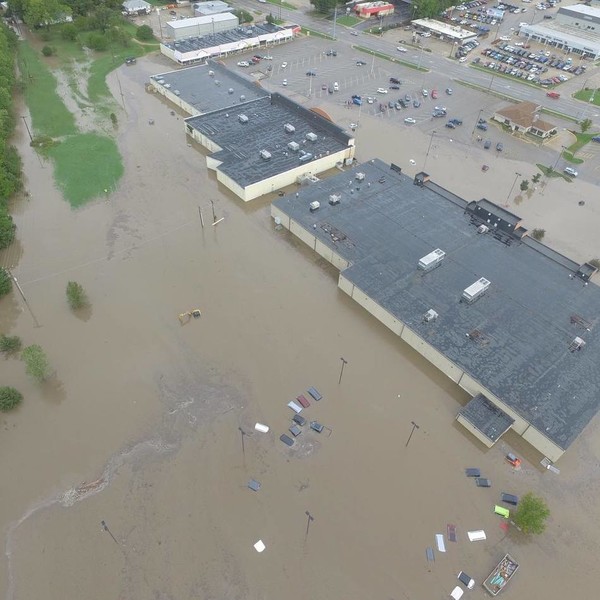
(148, 424)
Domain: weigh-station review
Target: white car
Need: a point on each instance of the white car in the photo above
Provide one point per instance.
(462, 59)
(570, 171)
(283, 65)
(243, 63)
(401, 49)
(353, 126)
(425, 93)
(410, 121)
(382, 91)
(284, 82)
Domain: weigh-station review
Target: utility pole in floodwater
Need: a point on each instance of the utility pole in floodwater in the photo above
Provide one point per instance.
(105, 528)
(344, 363)
(414, 426)
(308, 522)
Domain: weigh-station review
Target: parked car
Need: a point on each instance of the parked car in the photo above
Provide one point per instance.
(394, 87)
(499, 147)
(410, 121)
(283, 65)
(554, 95)
(416, 103)
(311, 73)
(130, 60)
(382, 91)
(360, 63)
(570, 171)
(394, 80)
(434, 94)
(401, 49)
(449, 91)
(243, 63)
(425, 93)
(456, 121)
(331, 53)
(487, 144)
(450, 125)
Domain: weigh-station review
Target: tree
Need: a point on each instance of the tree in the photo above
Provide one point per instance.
(531, 514)
(36, 363)
(538, 234)
(47, 51)
(270, 19)
(9, 398)
(68, 32)
(243, 15)
(7, 228)
(76, 295)
(536, 177)
(5, 282)
(97, 41)
(324, 6)
(585, 125)
(144, 33)
(10, 343)
(524, 185)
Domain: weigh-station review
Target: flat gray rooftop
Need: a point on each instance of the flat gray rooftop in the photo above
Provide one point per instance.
(206, 92)
(516, 340)
(221, 38)
(487, 417)
(242, 143)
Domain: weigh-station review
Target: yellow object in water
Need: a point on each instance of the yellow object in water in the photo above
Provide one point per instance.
(503, 512)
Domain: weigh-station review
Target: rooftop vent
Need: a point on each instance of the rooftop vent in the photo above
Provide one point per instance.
(314, 206)
(167, 85)
(242, 98)
(360, 177)
(483, 229)
(421, 179)
(430, 315)
(211, 73)
(305, 156)
(475, 290)
(335, 199)
(294, 146)
(177, 92)
(230, 91)
(243, 119)
(311, 136)
(289, 128)
(432, 260)
(265, 154)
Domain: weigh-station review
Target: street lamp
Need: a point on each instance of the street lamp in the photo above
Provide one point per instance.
(414, 426)
(476, 123)
(517, 175)
(428, 149)
(344, 363)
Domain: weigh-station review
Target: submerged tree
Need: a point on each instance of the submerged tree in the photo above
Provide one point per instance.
(531, 514)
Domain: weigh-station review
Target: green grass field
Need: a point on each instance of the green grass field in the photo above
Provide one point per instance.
(348, 20)
(49, 115)
(589, 95)
(283, 4)
(85, 165)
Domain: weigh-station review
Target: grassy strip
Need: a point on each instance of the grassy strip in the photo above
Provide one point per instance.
(348, 20)
(582, 140)
(308, 31)
(588, 95)
(550, 172)
(85, 166)
(49, 115)
(505, 76)
(283, 4)
(390, 58)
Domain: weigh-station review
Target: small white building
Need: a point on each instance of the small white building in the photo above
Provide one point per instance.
(204, 9)
(137, 7)
(201, 26)
(445, 31)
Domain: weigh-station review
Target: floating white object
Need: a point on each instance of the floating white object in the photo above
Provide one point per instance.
(439, 540)
(262, 428)
(476, 536)
(259, 546)
(295, 407)
(456, 593)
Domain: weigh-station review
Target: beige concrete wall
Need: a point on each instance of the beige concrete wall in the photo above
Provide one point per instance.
(469, 426)
(345, 285)
(176, 100)
(212, 164)
(543, 444)
(432, 355)
(302, 234)
(473, 387)
(168, 52)
(377, 311)
(227, 181)
(276, 212)
(323, 250)
(339, 262)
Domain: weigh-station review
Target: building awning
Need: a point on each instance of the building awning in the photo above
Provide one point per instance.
(487, 418)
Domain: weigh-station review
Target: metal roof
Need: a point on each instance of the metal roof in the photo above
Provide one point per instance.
(196, 21)
(206, 92)
(517, 340)
(242, 143)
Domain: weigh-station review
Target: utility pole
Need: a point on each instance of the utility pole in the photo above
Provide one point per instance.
(105, 528)
(308, 522)
(428, 149)
(35, 321)
(334, 20)
(414, 426)
(476, 123)
(243, 446)
(212, 204)
(344, 363)
(517, 175)
(27, 127)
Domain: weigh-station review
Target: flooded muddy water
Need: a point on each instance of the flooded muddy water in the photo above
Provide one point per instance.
(148, 423)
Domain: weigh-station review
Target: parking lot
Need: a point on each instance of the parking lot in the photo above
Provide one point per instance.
(290, 63)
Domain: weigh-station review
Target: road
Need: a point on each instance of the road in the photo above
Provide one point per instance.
(442, 65)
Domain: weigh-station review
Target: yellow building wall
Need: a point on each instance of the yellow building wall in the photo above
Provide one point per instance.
(377, 311)
(302, 234)
(432, 355)
(543, 444)
(323, 250)
(276, 212)
(345, 285)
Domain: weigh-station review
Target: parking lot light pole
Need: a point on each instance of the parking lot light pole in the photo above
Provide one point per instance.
(517, 175)
(428, 149)
(476, 123)
(414, 426)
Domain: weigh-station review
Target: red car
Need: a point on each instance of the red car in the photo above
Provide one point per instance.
(554, 95)
(434, 94)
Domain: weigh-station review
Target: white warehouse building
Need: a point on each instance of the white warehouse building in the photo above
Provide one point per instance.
(200, 26)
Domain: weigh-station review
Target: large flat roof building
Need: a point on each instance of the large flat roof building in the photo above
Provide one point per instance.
(204, 88)
(223, 43)
(575, 29)
(514, 323)
(200, 26)
(263, 145)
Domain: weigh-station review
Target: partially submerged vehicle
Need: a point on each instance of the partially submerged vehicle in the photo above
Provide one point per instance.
(501, 575)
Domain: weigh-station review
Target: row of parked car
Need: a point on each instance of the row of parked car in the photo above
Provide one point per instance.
(466, 48)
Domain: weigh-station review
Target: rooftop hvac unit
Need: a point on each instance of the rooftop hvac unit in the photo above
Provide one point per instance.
(305, 157)
(430, 315)
(161, 81)
(432, 260)
(177, 93)
(476, 290)
(576, 344)
(311, 136)
(289, 128)
(242, 98)
(483, 229)
(314, 206)
(335, 199)
(230, 91)
(265, 154)
(167, 85)
(243, 119)
(211, 73)
(360, 177)
(294, 146)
